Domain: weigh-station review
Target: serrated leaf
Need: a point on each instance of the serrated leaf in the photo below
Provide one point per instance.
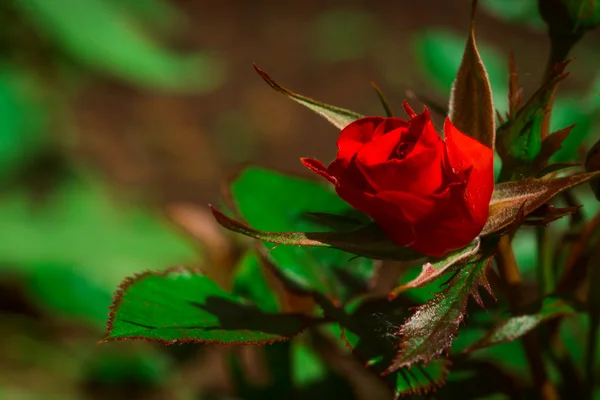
(339, 117)
(471, 107)
(272, 201)
(182, 305)
(421, 379)
(525, 196)
(520, 138)
(431, 329)
(516, 327)
(373, 323)
(433, 270)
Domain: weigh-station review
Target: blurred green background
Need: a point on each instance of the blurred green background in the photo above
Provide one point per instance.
(119, 119)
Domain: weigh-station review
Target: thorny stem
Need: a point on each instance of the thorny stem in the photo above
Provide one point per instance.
(545, 272)
(510, 274)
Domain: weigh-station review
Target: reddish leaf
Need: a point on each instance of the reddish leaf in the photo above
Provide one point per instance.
(368, 241)
(550, 145)
(548, 213)
(337, 116)
(528, 195)
(432, 271)
(520, 138)
(515, 92)
(471, 107)
(431, 329)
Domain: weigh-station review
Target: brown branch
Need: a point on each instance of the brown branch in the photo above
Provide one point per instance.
(511, 276)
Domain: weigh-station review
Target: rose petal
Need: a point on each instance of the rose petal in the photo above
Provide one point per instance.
(388, 125)
(421, 171)
(386, 212)
(355, 135)
(465, 152)
(449, 226)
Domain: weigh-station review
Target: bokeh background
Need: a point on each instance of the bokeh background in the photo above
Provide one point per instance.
(119, 120)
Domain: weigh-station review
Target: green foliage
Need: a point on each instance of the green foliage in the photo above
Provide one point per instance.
(439, 54)
(251, 284)
(275, 202)
(192, 308)
(567, 111)
(515, 11)
(58, 243)
(21, 121)
(107, 37)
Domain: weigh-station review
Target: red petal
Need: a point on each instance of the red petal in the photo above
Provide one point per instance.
(387, 214)
(355, 135)
(465, 152)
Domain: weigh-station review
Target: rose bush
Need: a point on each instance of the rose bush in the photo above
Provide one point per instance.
(429, 194)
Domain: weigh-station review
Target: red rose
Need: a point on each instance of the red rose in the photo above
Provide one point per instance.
(429, 194)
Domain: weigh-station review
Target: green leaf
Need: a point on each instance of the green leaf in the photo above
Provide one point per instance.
(434, 270)
(516, 199)
(182, 305)
(515, 11)
(270, 200)
(79, 296)
(430, 330)
(516, 327)
(307, 366)
(84, 242)
(520, 138)
(439, 55)
(250, 283)
(21, 121)
(336, 115)
(471, 107)
(102, 35)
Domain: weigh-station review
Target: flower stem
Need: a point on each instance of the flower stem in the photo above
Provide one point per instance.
(510, 274)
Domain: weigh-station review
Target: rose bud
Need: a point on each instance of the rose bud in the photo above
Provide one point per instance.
(426, 193)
